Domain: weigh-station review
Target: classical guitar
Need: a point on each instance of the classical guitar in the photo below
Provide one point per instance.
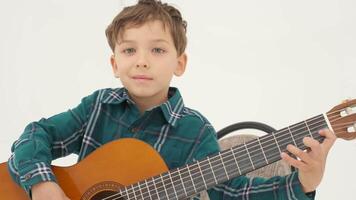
(132, 169)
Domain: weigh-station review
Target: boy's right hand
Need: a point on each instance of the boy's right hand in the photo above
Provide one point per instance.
(48, 191)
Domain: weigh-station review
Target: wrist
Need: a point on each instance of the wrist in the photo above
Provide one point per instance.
(41, 185)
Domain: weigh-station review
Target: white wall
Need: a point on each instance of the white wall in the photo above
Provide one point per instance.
(276, 61)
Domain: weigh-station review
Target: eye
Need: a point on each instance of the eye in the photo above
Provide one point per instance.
(129, 51)
(158, 50)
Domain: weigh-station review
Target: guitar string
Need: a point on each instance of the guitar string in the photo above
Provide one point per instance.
(138, 185)
(343, 125)
(198, 172)
(212, 160)
(248, 164)
(263, 142)
(198, 185)
(336, 116)
(329, 116)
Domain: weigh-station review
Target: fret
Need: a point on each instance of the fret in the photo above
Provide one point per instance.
(256, 154)
(119, 192)
(270, 148)
(188, 181)
(248, 153)
(164, 186)
(161, 192)
(172, 185)
(131, 192)
(153, 188)
(299, 131)
(148, 189)
(291, 135)
(238, 167)
(202, 175)
(197, 177)
(211, 168)
(218, 168)
(242, 159)
(140, 193)
(181, 179)
(168, 185)
(229, 163)
(190, 175)
(208, 173)
(285, 138)
(279, 149)
(316, 124)
(222, 162)
(264, 155)
(126, 192)
(308, 129)
(134, 190)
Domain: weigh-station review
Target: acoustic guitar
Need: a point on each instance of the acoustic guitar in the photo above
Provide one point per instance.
(132, 169)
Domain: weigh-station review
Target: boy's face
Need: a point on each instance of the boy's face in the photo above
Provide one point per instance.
(145, 60)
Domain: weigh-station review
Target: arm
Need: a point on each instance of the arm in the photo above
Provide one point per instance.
(288, 187)
(46, 140)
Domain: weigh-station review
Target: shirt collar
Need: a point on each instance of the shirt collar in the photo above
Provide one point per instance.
(171, 109)
(116, 96)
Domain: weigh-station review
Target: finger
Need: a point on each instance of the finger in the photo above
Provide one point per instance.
(329, 140)
(299, 153)
(314, 145)
(293, 162)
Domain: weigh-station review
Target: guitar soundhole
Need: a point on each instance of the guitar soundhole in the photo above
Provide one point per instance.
(105, 194)
(103, 190)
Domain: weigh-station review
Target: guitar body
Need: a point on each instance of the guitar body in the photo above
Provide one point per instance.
(114, 165)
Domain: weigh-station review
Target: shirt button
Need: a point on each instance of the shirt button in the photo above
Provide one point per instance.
(27, 176)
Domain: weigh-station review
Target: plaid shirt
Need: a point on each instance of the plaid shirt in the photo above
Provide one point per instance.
(181, 136)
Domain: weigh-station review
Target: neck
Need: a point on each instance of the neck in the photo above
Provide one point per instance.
(185, 181)
(145, 103)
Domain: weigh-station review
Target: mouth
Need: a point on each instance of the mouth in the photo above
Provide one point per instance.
(142, 78)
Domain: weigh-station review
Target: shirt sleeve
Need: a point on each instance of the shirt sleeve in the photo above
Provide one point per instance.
(239, 188)
(45, 140)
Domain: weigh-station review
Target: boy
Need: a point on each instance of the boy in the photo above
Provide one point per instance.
(148, 43)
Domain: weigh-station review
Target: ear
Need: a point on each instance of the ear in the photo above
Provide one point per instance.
(182, 62)
(114, 66)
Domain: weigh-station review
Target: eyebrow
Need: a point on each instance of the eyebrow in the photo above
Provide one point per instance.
(152, 41)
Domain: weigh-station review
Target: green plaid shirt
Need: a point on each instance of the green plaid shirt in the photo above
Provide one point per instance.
(181, 135)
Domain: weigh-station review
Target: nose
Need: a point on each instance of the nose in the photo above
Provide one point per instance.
(144, 66)
(142, 61)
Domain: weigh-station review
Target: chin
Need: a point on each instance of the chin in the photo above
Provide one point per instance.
(142, 93)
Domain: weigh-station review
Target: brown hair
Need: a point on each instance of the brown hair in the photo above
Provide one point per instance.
(149, 10)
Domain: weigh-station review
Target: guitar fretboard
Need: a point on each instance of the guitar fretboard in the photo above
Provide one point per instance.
(191, 179)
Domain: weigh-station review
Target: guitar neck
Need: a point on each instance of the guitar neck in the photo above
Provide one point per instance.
(215, 169)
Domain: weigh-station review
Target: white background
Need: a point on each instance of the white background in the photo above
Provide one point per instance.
(277, 62)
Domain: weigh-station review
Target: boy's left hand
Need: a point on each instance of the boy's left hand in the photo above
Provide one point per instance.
(312, 162)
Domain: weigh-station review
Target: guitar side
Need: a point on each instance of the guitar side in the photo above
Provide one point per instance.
(9, 189)
(116, 164)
